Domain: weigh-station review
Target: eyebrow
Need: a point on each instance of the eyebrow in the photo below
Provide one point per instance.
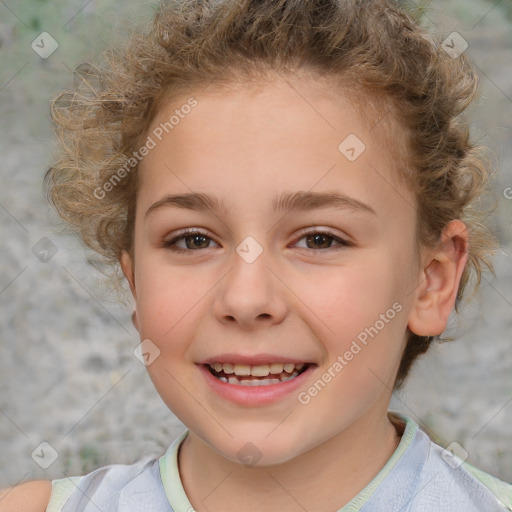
(291, 201)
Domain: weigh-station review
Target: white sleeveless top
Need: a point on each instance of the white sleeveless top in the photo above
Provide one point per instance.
(419, 477)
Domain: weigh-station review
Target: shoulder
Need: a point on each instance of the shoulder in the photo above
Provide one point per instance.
(115, 487)
(28, 497)
(431, 478)
(455, 477)
(501, 490)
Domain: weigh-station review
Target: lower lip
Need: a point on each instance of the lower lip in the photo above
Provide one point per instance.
(254, 395)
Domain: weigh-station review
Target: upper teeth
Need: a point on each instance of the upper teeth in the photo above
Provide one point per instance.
(256, 371)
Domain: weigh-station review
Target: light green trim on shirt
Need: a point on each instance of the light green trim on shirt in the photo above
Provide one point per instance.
(407, 437)
(500, 489)
(171, 480)
(173, 487)
(180, 503)
(61, 491)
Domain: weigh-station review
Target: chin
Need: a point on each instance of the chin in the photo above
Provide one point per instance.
(258, 450)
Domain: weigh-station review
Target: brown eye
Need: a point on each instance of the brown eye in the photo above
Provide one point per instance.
(196, 241)
(192, 241)
(319, 240)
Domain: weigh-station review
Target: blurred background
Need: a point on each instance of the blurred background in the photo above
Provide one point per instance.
(68, 376)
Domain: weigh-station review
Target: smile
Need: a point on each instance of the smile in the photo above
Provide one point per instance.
(258, 375)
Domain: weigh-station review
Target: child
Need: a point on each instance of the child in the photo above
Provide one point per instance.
(288, 189)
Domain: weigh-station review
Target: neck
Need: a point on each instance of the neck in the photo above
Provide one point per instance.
(351, 459)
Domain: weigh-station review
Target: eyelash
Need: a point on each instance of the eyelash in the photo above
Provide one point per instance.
(170, 244)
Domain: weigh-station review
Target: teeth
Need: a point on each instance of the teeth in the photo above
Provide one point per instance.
(241, 369)
(276, 368)
(279, 372)
(228, 368)
(288, 368)
(260, 371)
(244, 370)
(258, 382)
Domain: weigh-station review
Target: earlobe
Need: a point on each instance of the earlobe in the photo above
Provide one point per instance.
(127, 268)
(135, 320)
(440, 278)
(128, 271)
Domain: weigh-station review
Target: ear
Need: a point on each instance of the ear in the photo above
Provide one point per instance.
(128, 271)
(135, 320)
(128, 267)
(440, 278)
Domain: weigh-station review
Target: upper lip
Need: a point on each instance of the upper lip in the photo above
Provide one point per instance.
(253, 360)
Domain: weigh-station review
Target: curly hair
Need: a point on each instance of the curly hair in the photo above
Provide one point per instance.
(373, 47)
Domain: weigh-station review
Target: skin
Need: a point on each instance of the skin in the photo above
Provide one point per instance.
(28, 497)
(247, 146)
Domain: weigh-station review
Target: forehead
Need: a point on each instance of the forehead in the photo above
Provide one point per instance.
(263, 138)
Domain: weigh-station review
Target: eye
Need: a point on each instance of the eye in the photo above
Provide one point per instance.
(322, 240)
(192, 240)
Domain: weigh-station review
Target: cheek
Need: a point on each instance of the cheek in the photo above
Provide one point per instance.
(166, 300)
(348, 299)
(358, 314)
(166, 309)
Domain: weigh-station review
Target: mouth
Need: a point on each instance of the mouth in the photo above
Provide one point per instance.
(258, 375)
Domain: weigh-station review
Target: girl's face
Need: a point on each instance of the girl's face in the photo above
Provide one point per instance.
(298, 257)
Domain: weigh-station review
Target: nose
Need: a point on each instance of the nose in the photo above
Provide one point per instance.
(251, 295)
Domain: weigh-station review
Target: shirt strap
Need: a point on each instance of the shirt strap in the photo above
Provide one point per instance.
(61, 491)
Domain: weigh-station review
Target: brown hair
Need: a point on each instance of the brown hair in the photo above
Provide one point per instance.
(372, 44)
